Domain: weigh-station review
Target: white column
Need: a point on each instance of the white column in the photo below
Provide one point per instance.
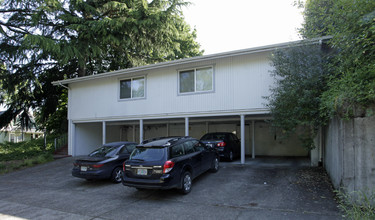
(242, 139)
(140, 130)
(104, 130)
(71, 138)
(186, 126)
(253, 139)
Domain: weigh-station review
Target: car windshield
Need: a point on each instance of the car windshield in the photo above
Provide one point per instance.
(105, 151)
(213, 137)
(147, 154)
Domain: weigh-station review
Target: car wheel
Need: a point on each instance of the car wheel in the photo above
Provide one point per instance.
(230, 158)
(116, 175)
(186, 183)
(215, 165)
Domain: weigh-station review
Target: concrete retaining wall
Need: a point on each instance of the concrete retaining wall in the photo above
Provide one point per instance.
(349, 154)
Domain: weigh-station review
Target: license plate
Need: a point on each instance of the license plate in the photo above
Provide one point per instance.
(142, 171)
(84, 169)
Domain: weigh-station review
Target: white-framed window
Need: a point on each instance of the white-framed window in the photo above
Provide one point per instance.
(196, 80)
(132, 88)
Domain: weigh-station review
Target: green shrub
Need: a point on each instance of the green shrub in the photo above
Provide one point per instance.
(9, 166)
(24, 150)
(357, 205)
(15, 156)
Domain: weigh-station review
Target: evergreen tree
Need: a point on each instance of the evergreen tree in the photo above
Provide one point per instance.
(47, 40)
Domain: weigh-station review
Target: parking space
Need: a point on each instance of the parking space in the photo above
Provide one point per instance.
(264, 189)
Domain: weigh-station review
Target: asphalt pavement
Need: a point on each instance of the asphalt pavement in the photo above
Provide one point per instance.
(265, 188)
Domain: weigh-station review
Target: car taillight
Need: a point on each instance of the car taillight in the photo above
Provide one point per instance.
(221, 144)
(124, 167)
(97, 165)
(168, 166)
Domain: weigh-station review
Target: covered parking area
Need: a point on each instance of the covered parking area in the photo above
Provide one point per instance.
(256, 135)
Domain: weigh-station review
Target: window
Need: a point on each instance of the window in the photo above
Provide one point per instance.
(189, 147)
(132, 88)
(177, 151)
(198, 146)
(196, 80)
(130, 147)
(147, 154)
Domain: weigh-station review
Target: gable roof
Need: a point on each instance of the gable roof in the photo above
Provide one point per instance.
(193, 59)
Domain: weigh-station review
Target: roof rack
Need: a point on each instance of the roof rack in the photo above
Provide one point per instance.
(177, 138)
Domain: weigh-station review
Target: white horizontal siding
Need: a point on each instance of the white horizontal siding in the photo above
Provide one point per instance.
(239, 84)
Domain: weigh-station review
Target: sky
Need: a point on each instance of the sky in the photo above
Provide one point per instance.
(227, 25)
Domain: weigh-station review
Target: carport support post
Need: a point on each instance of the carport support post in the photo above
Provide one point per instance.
(104, 132)
(140, 130)
(253, 139)
(186, 126)
(71, 138)
(242, 139)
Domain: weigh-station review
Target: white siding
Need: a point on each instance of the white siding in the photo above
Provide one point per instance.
(239, 84)
(88, 138)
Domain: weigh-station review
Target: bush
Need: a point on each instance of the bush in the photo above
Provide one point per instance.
(24, 150)
(14, 156)
(357, 205)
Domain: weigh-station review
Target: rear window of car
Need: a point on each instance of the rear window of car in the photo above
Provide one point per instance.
(105, 151)
(213, 137)
(148, 154)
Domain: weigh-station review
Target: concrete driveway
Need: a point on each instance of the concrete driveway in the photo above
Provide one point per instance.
(263, 189)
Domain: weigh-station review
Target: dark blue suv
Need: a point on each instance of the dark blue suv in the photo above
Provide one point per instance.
(165, 163)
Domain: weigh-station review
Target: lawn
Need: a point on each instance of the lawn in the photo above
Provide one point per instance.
(14, 156)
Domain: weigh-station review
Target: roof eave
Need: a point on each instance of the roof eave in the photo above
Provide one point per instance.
(191, 60)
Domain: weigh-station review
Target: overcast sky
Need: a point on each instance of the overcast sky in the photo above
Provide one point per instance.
(224, 25)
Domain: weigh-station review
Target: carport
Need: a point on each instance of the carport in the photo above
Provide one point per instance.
(254, 131)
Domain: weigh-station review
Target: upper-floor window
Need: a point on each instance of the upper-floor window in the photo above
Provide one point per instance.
(132, 88)
(196, 80)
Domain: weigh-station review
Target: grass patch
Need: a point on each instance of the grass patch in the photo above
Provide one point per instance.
(12, 165)
(15, 156)
(357, 205)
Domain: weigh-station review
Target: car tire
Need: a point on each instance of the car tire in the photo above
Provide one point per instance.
(215, 165)
(186, 183)
(230, 156)
(116, 175)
